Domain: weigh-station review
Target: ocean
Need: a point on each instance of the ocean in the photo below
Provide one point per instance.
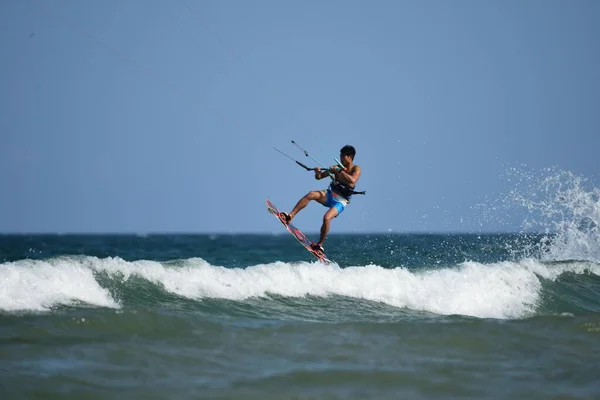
(256, 317)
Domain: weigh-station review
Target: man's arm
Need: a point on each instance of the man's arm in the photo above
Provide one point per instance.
(349, 178)
(321, 173)
(324, 173)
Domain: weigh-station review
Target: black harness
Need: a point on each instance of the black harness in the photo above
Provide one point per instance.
(343, 190)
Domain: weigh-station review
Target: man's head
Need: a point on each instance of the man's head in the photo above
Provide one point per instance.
(347, 150)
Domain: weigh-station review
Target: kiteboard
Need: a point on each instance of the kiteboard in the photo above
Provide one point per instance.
(297, 233)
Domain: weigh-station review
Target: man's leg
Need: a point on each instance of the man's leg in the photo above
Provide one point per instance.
(317, 195)
(329, 215)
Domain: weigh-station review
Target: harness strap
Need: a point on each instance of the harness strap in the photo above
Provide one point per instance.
(344, 190)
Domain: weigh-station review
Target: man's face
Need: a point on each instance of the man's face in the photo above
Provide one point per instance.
(345, 160)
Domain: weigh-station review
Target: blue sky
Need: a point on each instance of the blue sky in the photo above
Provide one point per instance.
(161, 116)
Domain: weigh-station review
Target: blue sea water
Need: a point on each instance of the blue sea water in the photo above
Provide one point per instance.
(486, 316)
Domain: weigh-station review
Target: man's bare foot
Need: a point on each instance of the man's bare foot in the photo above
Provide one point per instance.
(317, 248)
(285, 217)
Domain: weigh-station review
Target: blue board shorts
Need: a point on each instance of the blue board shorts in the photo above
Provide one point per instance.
(335, 200)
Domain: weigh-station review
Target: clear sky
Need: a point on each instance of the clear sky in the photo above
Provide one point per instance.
(161, 116)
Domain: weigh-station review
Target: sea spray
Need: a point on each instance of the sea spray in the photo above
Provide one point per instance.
(559, 211)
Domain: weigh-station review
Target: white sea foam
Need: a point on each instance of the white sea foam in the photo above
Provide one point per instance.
(40, 285)
(500, 290)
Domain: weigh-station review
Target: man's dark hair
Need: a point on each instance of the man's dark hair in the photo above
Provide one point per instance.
(348, 150)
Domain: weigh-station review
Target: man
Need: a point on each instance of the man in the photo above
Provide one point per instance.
(336, 197)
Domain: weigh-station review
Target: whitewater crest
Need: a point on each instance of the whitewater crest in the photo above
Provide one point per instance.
(40, 285)
(498, 290)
